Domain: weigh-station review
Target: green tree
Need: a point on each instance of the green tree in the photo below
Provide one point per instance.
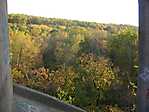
(95, 77)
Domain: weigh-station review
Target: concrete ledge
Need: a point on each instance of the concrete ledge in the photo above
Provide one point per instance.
(44, 99)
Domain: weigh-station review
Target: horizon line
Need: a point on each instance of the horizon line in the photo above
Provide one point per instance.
(69, 19)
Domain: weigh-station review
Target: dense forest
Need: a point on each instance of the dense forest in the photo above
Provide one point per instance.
(87, 64)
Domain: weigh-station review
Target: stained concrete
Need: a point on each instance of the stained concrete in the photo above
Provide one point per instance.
(29, 105)
(143, 79)
(5, 79)
(29, 100)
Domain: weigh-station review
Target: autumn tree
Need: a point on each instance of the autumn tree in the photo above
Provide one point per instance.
(24, 52)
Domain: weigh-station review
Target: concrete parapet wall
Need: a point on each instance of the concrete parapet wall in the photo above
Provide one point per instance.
(45, 99)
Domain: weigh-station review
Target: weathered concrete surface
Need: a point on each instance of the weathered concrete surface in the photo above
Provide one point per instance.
(143, 79)
(29, 105)
(5, 80)
(144, 33)
(28, 100)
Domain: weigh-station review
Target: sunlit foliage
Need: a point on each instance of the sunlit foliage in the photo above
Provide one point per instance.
(87, 64)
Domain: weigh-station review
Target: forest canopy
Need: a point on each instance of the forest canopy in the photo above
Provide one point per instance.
(87, 64)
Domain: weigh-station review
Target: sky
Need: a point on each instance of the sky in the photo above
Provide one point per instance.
(101, 11)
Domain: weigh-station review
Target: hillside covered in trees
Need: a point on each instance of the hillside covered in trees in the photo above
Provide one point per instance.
(87, 64)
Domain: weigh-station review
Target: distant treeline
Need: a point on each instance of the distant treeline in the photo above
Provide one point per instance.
(26, 19)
